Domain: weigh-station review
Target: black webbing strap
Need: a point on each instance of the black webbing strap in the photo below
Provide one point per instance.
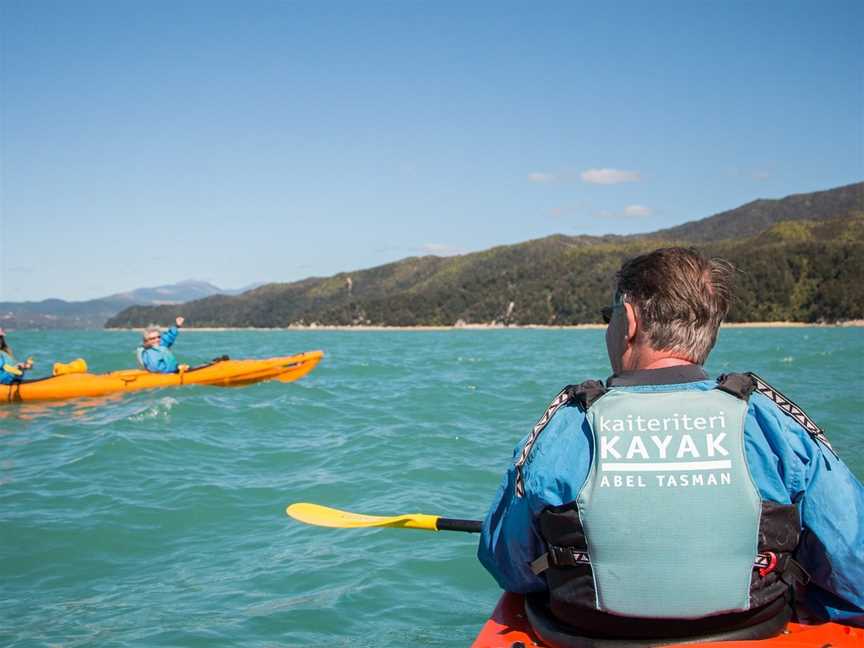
(740, 385)
(560, 557)
(791, 409)
(571, 557)
(792, 573)
(561, 399)
(583, 395)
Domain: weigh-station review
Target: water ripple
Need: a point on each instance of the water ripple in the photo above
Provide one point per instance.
(157, 519)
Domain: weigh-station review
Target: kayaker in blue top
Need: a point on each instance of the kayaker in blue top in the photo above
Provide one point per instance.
(664, 504)
(10, 369)
(155, 354)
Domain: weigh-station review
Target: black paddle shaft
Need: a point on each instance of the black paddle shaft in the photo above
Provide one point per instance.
(449, 524)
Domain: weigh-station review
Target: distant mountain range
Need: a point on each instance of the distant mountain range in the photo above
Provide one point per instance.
(93, 313)
(800, 258)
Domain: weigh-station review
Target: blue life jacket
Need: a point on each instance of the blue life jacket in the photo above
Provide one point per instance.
(158, 359)
(9, 371)
(668, 506)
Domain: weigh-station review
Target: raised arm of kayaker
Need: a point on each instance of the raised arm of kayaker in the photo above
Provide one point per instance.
(170, 336)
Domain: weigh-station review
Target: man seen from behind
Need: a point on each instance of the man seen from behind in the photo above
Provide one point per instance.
(665, 504)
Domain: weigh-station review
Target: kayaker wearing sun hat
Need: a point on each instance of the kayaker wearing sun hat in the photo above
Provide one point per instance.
(155, 353)
(668, 505)
(10, 369)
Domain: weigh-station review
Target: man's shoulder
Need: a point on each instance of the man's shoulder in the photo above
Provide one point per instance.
(767, 397)
(563, 412)
(574, 400)
(566, 412)
(775, 411)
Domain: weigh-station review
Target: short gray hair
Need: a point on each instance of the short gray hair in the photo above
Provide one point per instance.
(151, 329)
(680, 296)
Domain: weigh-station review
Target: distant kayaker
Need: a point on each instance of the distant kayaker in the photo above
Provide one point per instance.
(667, 505)
(155, 354)
(10, 369)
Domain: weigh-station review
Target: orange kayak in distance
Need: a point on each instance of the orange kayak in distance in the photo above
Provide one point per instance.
(508, 627)
(220, 373)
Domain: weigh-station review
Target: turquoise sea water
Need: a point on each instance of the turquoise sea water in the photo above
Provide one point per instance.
(157, 519)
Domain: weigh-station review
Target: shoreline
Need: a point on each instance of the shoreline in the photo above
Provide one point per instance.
(488, 327)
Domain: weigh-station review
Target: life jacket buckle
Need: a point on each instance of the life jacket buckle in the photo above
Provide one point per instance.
(772, 564)
(560, 557)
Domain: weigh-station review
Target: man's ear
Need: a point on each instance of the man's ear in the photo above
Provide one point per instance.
(632, 323)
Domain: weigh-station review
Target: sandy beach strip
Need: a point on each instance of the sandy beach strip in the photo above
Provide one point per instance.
(489, 327)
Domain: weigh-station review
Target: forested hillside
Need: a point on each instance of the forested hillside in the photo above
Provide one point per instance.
(798, 269)
(759, 215)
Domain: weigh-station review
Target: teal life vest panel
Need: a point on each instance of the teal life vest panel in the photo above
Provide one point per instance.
(668, 496)
(668, 535)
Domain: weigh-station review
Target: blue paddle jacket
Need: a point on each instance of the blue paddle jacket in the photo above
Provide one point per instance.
(786, 464)
(6, 377)
(160, 359)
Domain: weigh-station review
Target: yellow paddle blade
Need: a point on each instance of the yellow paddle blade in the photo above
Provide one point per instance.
(330, 517)
(12, 369)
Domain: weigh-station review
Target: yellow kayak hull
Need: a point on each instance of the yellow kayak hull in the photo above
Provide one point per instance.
(223, 373)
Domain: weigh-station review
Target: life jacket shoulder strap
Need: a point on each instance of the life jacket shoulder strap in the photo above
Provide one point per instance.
(788, 407)
(740, 385)
(582, 395)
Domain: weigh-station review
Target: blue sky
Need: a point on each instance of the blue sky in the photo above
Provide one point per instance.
(143, 143)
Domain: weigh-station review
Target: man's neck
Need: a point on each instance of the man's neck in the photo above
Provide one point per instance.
(674, 375)
(661, 363)
(641, 356)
